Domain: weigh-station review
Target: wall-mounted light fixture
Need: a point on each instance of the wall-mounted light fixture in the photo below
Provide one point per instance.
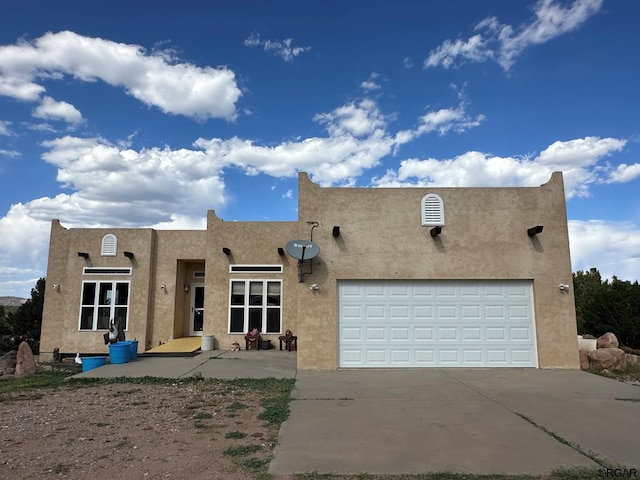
(226, 251)
(336, 231)
(563, 286)
(163, 287)
(435, 231)
(534, 230)
(280, 251)
(186, 287)
(84, 255)
(314, 286)
(56, 286)
(128, 255)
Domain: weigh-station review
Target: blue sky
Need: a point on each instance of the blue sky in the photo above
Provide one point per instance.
(147, 114)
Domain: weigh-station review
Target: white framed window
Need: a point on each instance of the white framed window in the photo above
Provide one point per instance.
(432, 210)
(109, 245)
(103, 301)
(255, 304)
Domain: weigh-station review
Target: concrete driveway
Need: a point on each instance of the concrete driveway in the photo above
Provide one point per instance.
(481, 421)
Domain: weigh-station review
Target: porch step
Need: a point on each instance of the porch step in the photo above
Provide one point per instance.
(186, 346)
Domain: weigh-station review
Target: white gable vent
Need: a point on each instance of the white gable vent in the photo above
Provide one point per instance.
(432, 210)
(109, 245)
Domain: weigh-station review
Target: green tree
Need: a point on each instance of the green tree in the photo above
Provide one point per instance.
(24, 324)
(607, 306)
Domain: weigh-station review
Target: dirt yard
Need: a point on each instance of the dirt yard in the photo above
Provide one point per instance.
(192, 430)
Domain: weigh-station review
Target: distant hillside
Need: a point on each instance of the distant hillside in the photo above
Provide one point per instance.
(12, 301)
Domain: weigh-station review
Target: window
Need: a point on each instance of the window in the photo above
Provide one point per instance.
(255, 268)
(109, 245)
(103, 302)
(106, 271)
(255, 304)
(432, 210)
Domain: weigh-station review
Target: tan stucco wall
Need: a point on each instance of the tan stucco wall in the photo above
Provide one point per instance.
(151, 310)
(484, 237)
(251, 243)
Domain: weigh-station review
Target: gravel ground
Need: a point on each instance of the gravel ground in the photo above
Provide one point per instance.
(134, 431)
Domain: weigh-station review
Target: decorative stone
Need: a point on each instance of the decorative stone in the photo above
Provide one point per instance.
(584, 360)
(607, 358)
(26, 364)
(8, 363)
(631, 359)
(608, 340)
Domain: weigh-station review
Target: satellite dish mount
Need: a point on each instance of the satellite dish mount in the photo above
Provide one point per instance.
(303, 250)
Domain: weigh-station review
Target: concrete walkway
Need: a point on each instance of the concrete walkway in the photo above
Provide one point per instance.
(209, 364)
(457, 420)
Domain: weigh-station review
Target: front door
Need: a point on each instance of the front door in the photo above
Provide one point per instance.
(197, 310)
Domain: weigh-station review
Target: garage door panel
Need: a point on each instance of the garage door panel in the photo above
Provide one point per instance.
(436, 323)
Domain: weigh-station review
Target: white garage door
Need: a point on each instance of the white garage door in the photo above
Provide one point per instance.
(436, 324)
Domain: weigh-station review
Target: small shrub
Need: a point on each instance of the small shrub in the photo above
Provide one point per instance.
(236, 406)
(242, 451)
(235, 435)
(202, 415)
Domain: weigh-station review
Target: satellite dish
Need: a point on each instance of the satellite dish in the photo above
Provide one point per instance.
(302, 249)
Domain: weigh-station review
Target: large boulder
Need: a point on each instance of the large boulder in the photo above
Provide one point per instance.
(8, 363)
(25, 364)
(631, 359)
(607, 358)
(608, 340)
(584, 359)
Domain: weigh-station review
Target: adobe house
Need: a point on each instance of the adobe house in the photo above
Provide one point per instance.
(367, 277)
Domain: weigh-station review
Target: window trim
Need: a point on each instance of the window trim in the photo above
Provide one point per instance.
(107, 270)
(96, 305)
(240, 268)
(432, 211)
(246, 306)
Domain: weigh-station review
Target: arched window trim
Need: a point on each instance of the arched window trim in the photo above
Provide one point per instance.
(432, 210)
(109, 245)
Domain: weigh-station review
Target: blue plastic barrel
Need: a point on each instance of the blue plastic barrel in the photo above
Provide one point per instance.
(133, 352)
(119, 352)
(89, 363)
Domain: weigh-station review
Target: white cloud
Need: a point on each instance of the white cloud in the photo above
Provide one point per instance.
(624, 173)
(407, 62)
(156, 79)
(448, 119)
(289, 194)
(503, 43)
(4, 128)
(283, 49)
(578, 159)
(370, 84)
(9, 153)
(611, 247)
(50, 109)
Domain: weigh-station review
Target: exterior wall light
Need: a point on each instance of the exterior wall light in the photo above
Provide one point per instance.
(129, 255)
(563, 286)
(84, 255)
(163, 287)
(226, 251)
(280, 251)
(314, 286)
(534, 230)
(336, 231)
(186, 287)
(56, 287)
(435, 231)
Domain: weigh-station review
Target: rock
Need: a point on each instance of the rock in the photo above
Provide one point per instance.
(606, 358)
(608, 340)
(634, 351)
(584, 360)
(630, 359)
(8, 363)
(26, 364)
